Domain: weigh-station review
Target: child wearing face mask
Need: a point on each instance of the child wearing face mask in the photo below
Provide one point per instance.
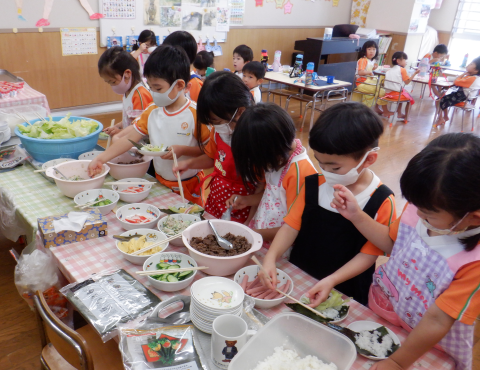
(169, 121)
(148, 43)
(120, 70)
(221, 102)
(325, 244)
(430, 284)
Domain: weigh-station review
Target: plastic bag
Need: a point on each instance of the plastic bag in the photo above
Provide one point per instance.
(12, 156)
(110, 298)
(38, 271)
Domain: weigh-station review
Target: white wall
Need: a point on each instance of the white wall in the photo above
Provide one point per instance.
(390, 15)
(442, 19)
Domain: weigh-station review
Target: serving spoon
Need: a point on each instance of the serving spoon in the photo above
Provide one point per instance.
(222, 242)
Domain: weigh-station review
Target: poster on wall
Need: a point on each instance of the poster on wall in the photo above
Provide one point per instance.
(359, 12)
(170, 16)
(131, 40)
(114, 41)
(78, 41)
(223, 19)
(119, 9)
(420, 14)
(237, 12)
(192, 17)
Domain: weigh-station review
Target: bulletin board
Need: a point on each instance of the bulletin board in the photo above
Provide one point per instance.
(185, 15)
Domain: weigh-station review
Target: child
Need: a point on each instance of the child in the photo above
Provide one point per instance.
(281, 160)
(169, 121)
(365, 66)
(121, 71)
(242, 54)
(253, 74)
(328, 247)
(439, 54)
(203, 60)
(221, 102)
(467, 86)
(188, 43)
(148, 42)
(430, 284)
(398, 74)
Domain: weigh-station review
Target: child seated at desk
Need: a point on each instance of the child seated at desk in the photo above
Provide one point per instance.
(438, 55)
(365, 66)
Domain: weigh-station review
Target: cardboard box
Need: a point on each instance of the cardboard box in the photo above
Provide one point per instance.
(95, 227)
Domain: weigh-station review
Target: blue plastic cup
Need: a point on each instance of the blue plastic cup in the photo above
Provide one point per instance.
(330, 79)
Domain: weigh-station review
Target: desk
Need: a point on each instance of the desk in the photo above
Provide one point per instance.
(26, 196)
(79, 260)
(279, 77)
(26, 96)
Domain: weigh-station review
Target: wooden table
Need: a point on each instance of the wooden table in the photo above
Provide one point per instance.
(279, 77)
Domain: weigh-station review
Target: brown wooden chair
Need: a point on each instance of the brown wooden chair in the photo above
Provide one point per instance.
(67, 349)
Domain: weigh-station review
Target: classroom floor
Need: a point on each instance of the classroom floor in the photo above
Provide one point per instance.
(19, 339)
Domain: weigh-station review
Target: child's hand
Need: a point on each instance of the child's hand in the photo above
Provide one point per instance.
(387, 364)
(271, 270)
(240, 203)
(95, 167)
(375, 66)
(182, 167)
(320, 291)
(111, 131)
(177, 149)
(345, 203)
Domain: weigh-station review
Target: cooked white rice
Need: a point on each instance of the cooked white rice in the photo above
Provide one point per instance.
(370, 342)
(332, 313)
(285, 359)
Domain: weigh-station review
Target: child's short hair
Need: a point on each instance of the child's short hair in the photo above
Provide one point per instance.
(476, 61)
(442, 177)
(368, 44)
(346, 129)
(203, 60)
(245, 52)
(169, 63)
(441, 49)
(253, 154)
(186, 41)
(398, 55)
(115, 61)
(255, 68)
(145, 36)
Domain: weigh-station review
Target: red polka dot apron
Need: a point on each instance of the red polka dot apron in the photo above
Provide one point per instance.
(273, 206)
(412, 279)
(225, 182)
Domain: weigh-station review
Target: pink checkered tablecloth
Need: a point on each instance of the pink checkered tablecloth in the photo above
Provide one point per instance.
(26, 96)
(79, 260)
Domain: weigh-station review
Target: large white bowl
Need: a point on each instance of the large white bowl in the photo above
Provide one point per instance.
(123, 171)
(166, 286)
(80, 168)
(54, 162)
(88, 196)
(142, 209)
(133, 197)
(221, 266)
(252, 272)
(152, 236)
(180, 216)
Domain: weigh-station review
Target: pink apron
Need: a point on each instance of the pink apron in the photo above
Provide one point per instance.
(273, 206)
(413, 278)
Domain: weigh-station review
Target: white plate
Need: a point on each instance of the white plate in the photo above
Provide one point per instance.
(218, 293)
(153, 154)
(207, 316)
(362, 325)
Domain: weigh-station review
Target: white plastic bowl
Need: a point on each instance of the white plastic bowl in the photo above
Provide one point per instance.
(142, 209)
(252, 272)
(124, 171)
(54, 162)
(166, 286)
(132, 197)
(152, 236)
(80, 168)
(186, 217)
(88, 196)
(221, 266)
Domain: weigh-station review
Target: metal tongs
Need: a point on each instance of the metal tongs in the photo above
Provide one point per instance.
(222, 242)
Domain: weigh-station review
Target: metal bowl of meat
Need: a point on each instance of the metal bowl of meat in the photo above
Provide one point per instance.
(199, 240)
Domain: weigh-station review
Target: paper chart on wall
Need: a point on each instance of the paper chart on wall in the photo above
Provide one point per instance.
(223, 19)
(237, 12)
(119, 9)
(78, 41)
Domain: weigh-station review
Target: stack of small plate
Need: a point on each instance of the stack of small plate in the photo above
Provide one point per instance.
(213, 297)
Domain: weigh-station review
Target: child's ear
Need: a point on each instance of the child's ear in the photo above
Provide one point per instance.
(474, 218)
(188, 87)
(127, 75)
(260, 81)
(371, 159)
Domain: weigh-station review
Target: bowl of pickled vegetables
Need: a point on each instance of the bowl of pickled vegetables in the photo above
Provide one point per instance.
(175, 224)
(103, 199)
(137, 239)
(133, 193)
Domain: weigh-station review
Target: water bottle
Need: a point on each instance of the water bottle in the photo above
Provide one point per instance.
(297, 67)
(423, 67)
(276, 61)
(465, 60)
(264, 59)
(309, 74)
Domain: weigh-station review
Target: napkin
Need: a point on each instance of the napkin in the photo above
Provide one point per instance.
(73, 222)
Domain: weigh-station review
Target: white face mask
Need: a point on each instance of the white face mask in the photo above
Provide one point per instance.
(162, 99)
(349, 178)
(445, 231)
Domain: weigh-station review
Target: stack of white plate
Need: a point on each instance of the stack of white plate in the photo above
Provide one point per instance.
(213, 297)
